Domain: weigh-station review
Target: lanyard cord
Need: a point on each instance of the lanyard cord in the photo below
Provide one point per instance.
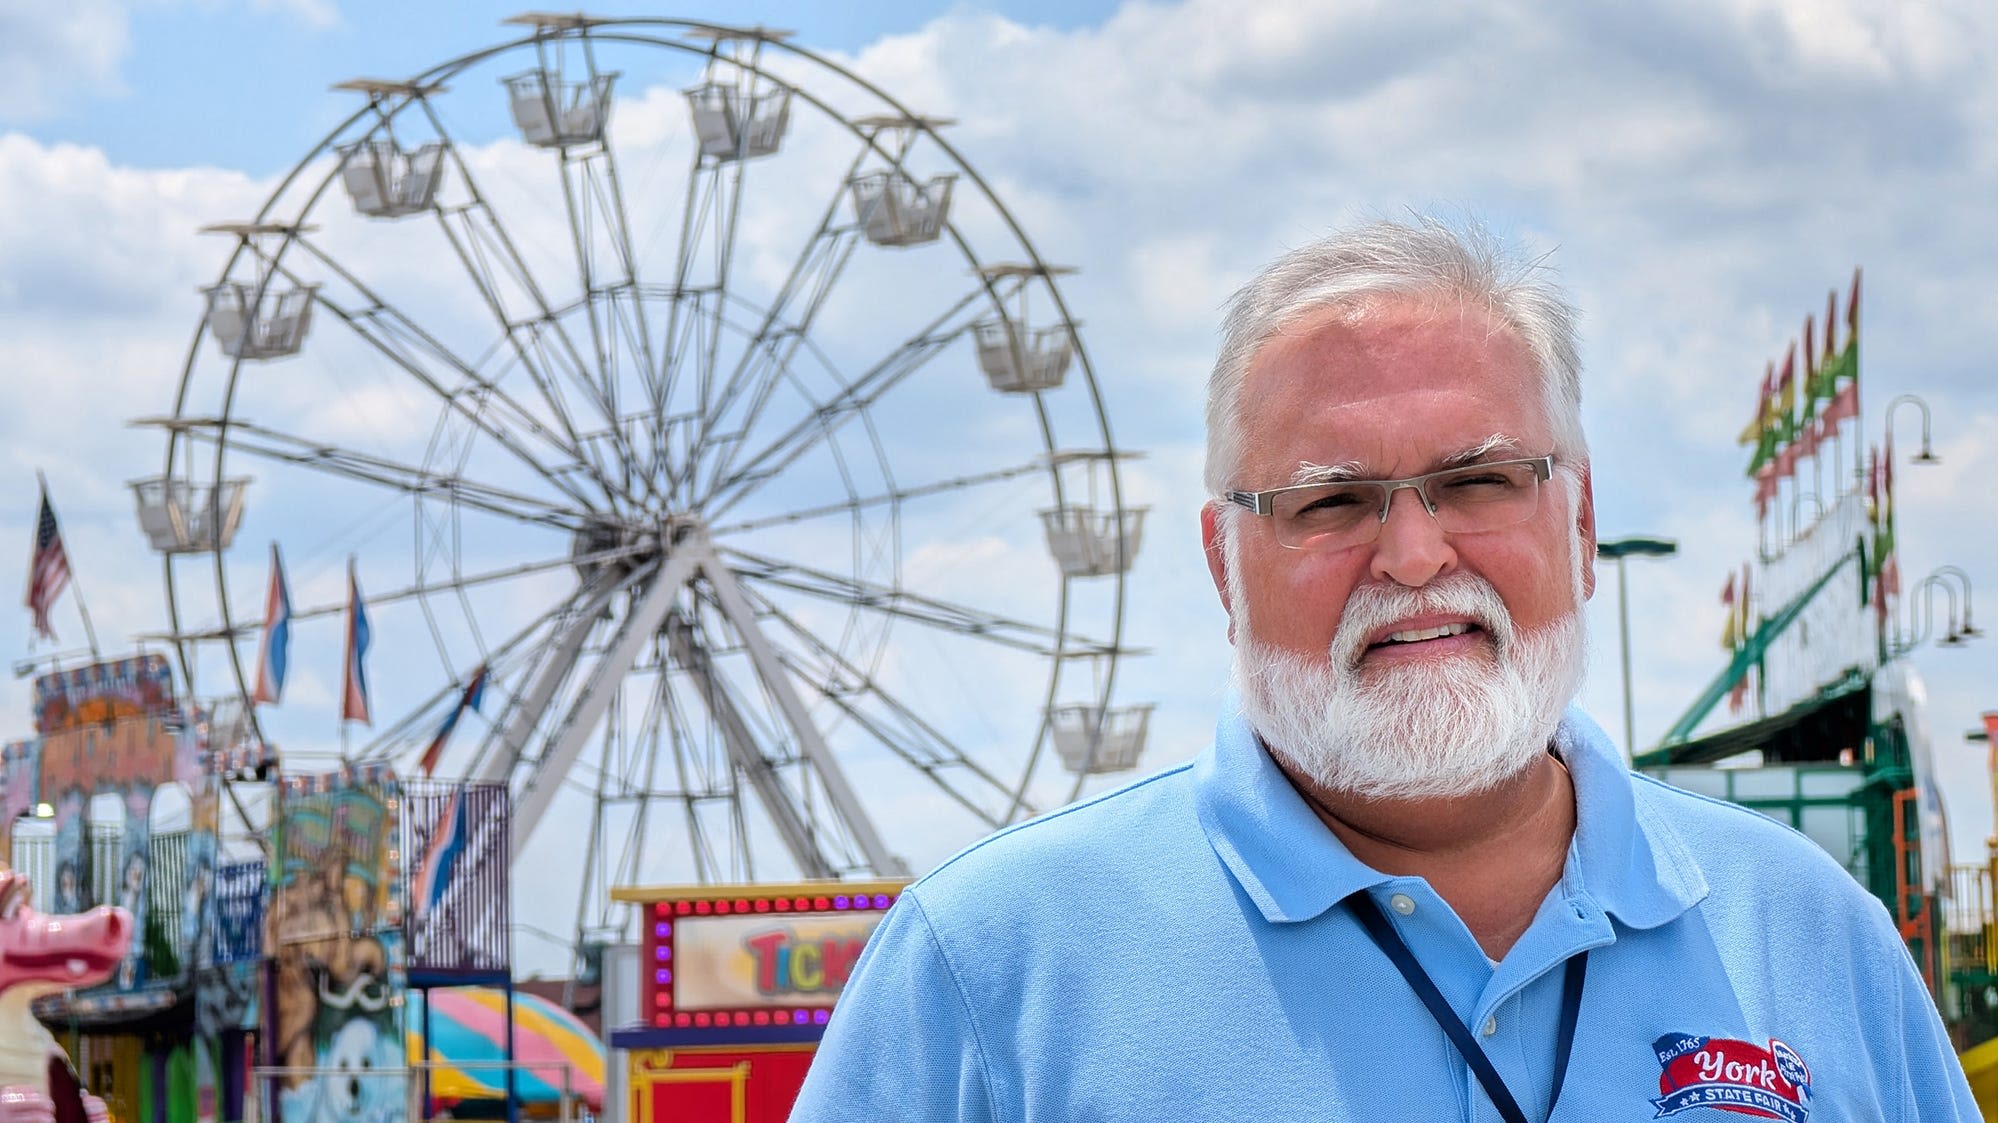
(1391, 943)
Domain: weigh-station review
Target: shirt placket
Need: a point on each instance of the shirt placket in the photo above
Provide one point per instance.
(1522, 1005)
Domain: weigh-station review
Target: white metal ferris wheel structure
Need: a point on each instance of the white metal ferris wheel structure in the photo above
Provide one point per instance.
(703, 395)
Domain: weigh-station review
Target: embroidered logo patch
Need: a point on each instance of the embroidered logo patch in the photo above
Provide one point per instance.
(1737, 1076)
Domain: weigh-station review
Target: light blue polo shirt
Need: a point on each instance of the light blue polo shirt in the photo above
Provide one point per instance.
(1176, 950)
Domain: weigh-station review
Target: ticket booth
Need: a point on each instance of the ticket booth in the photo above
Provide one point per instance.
(736, 983)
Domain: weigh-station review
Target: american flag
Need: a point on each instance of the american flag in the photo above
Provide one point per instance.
(48, 570)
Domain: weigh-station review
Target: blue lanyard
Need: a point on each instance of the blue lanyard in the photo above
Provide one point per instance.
(1391, 943)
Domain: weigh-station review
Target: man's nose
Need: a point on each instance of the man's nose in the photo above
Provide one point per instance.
(1412, 549)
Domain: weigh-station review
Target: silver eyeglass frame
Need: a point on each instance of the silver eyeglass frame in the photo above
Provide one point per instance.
(1264, 502)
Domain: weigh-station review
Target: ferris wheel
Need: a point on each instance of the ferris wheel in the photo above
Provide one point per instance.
(702, 398)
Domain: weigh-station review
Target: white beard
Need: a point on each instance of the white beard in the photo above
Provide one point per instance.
(1456, 727)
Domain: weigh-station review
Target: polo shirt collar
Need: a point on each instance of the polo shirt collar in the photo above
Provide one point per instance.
(1631, 863)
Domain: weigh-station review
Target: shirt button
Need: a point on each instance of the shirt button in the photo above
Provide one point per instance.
(1402, 903)
(1491, 1025)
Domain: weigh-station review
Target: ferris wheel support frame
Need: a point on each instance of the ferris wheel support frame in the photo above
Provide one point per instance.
(691, 556)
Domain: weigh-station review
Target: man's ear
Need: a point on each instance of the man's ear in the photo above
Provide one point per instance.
(1211, 534)
(1585, 531)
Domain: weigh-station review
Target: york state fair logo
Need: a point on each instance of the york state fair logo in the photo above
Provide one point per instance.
(1737, 1076)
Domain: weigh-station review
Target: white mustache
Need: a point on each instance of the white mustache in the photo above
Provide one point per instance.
(1372, 607)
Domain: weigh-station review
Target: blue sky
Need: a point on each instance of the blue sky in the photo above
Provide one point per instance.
(235, 85)
(1702, 173)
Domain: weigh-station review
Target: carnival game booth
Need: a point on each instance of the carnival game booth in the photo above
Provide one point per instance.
(736, 983)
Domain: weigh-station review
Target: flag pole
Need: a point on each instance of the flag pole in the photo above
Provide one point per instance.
(89, 632)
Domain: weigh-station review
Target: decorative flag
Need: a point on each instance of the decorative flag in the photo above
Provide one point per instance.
(1738, 697)
(440, 855)
(1830, 370)
(1887, 481)
(1810, 361)
(1752, 433)
(354, 677)
(1786, 394)
(48, 567)
(1743, 608)
(474, 693)
(1765, 491)
(1784, 428)
(1808, 434)
(1814, 367)
(1852, 312)
(1845, 404)
(275, 652)
(1730, 632)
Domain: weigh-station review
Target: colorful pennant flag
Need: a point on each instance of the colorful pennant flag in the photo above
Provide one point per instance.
(1730, 632)
(48, 567)
(446, 845)
(354, 676)
(473, 694)
(1844, 405)
(1786, 395)
(1765, 491)
(1752, 433)
(274, 653)
(1852, 312)
(1738, 697)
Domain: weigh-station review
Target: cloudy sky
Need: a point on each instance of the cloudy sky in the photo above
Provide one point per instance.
(1701, 172)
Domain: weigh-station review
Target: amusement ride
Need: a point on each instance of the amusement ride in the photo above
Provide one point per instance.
(695, 403)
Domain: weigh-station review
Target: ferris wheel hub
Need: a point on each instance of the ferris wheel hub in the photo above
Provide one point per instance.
(622, 546)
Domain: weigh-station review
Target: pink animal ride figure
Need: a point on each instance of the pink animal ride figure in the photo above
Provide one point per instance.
(43, 954)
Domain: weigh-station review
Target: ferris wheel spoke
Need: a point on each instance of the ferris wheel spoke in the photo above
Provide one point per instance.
(890, 601)
(595, 692)
(691, 655)
(472, 580)
(708, 791)
(898, 728)
(769, 352)
(514, 297)
(270, 444)
(607, 269)
(722, 585)
(732, 97)
(1038, 465)
(829, 416)
(570, 625)
(456, 382)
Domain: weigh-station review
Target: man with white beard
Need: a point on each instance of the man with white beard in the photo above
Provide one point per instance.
(1406, 881)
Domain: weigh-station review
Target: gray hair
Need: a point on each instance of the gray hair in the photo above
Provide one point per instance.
(1424, 258)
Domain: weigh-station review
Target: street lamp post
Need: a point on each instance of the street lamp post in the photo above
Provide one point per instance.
(1620, 549)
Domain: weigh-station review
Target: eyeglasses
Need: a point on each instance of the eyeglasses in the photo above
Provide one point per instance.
(1465, 500)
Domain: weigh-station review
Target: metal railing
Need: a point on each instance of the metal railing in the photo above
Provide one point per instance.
(362, 1092)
